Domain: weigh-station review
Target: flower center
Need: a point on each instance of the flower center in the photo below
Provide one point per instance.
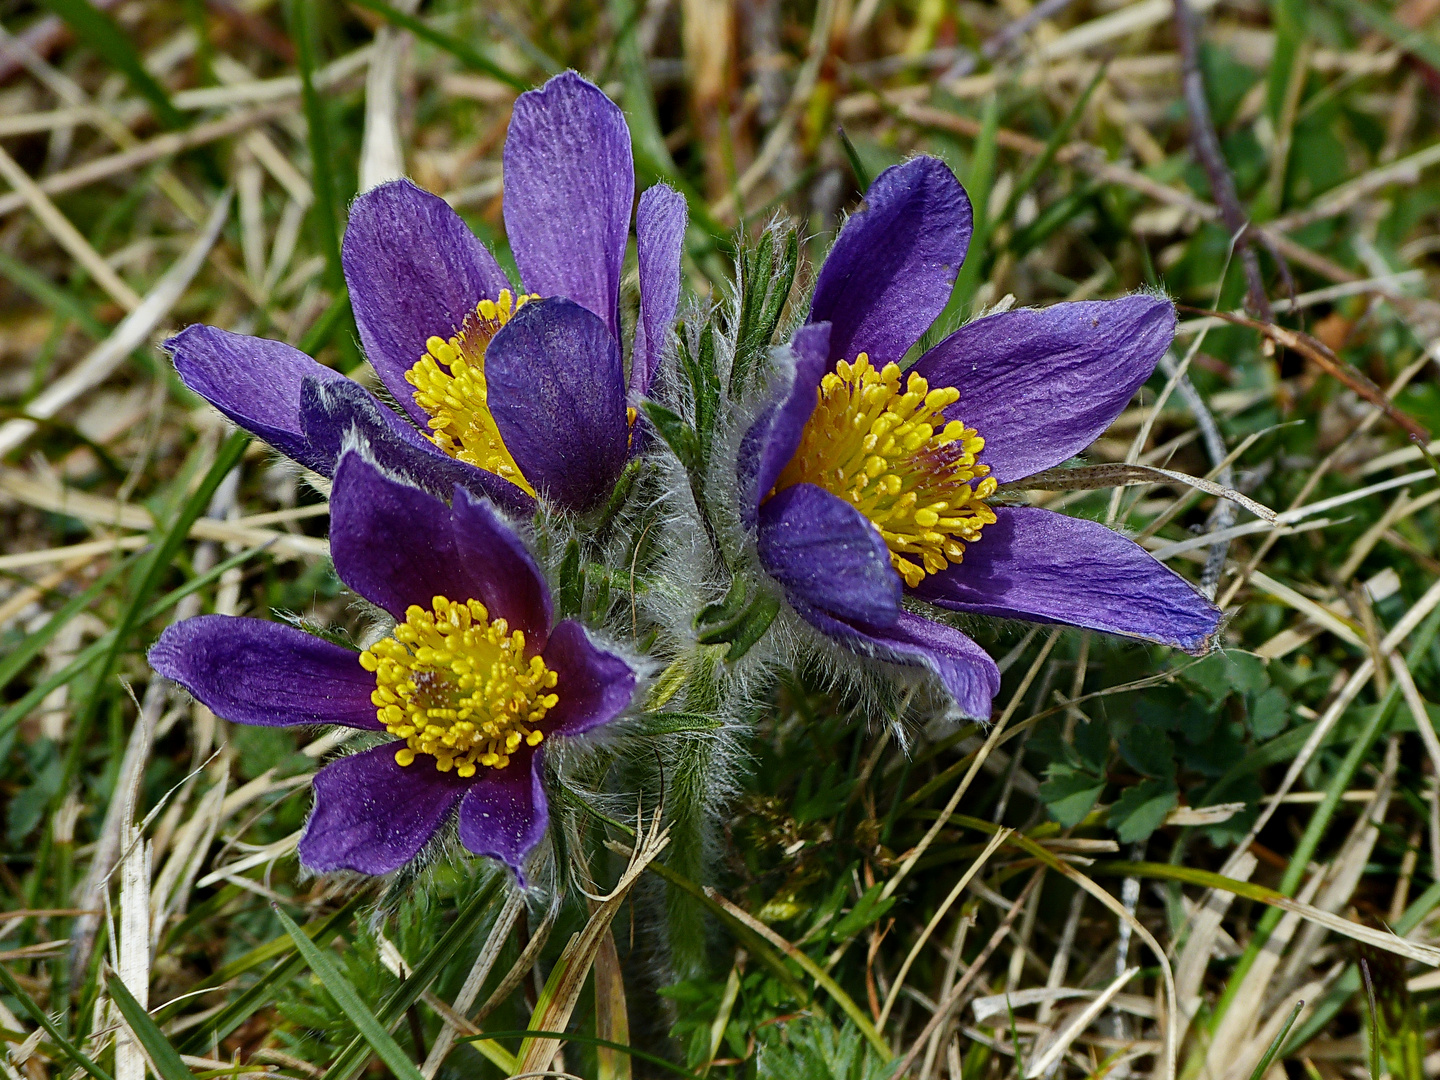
(456, 685)
(449, 383)
(891, 454)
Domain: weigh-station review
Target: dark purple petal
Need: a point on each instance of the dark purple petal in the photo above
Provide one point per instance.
(966, 671)
(250, 671)
(415, 270)
(502, 574)
(659, 241)
(1045, 567)
(255, 382)
(557, 392)
(1039, 386)
(505, 813)
(343, 414)
(594, 686)
(374, 815)
(891, 272)
(569, 188)
(828, 557)
(779, 431)
(392, 543)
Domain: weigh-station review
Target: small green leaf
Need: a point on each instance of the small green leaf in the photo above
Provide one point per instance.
(1148, 750)
(572, 582)
(678, 435)
(1140, 809)
(868, 909)
(1069, 794)
(386, 1048)
(746, 629)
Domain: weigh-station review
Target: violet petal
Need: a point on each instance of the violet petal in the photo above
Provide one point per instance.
(892, 269)
(250, 671)
(969, 675)
(778, 433)
(502, 574)
(1045, 567)
(660, 223)
(505, 813)
(569, 188)
(594, 686)
(828, 557)
(373, 815)
(1040, 386)
(341, 415)
(415, 271)
(392, 543)
(255, 382)
(557, 392)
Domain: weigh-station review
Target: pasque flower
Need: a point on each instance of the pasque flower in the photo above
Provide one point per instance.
(869, 484)
(508, 393)
(473, 681)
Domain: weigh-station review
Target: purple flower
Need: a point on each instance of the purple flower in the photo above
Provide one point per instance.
(473, 681)
(870, 485)
(512, 394)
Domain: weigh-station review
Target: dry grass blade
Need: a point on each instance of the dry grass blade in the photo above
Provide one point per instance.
(562, 990)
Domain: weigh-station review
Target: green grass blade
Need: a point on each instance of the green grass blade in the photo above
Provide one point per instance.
(87, 656)
(1052, 146)
(103, 34)
(386, 1048)
(352, 1058)
(61, 301)
(465, 53)
(15, 661)
(982, 175)
(317, 123)
(38, 1015)
(1264, 1067)
(1412, 41)
(162, 1054)
(261, 993)
(589, 1040)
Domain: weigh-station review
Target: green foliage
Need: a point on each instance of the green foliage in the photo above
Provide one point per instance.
(812, 1049)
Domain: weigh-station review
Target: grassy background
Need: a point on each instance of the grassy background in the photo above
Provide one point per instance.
(169, 163)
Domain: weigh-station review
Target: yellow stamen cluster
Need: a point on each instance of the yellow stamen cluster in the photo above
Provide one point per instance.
(890, 453)
(456, 685)
(449, 383)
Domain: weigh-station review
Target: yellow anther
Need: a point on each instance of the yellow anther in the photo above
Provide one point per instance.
(457, 685)
(450, 386)
(891, 454)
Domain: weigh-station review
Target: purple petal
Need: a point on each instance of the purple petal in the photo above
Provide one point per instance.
(392, 543)
(966, 671)
(594, 686)
(891, 272)
(828, 557)
(255, 382)
(779, 432)
(569, 188)
(373, 815)
(415, 270)
(250, 671)
(557, 392)
(502, 574)
(1039, 386)
(659, 241)
(505, 813)
(342, 414)
(1045, 567)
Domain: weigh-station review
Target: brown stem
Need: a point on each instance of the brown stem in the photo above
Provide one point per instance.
(1319, 352)
(1206, 145)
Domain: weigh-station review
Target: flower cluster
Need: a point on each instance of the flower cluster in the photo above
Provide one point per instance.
(529, 446)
